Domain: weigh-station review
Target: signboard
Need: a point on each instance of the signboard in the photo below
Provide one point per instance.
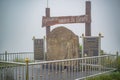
(91, 46)
(38, 49)
(49, 21)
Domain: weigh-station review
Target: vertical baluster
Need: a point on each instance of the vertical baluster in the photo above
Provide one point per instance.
(80, 68)
(85, 67)
(3, 57)
(7, 57)
(48, 71)
(103, 64)
(0, 69)
(5, 71)
(52, 72)
(60, 70)
(56, 70)
(19, 72)
(88, 66)
(16, 69)
(70, 69)
(77, 68)
(110, 60)
(74, 64)
(94, 60)
(96, 64)
(36, 71)
(22, 73)
(64, 71)
(73, 67)
(12, 57)
(45, 71)
(41, 72)
(93, 65)
(90, 70)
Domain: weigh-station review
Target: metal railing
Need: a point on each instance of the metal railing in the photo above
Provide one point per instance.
(68, 69)
(12, 70)
(16, 57)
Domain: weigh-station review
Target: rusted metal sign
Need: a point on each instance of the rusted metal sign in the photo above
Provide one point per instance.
(49, 21)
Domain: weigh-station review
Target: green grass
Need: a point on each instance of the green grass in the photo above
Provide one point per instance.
(111, 76)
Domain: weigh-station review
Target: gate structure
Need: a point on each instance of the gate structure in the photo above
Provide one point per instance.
(49, 21)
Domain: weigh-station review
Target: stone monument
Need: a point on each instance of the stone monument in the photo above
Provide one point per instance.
(62, 43)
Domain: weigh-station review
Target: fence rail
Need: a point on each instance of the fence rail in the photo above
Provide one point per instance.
(68, 69)
(16, 57)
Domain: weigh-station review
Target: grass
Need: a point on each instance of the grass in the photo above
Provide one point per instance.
(111, 76)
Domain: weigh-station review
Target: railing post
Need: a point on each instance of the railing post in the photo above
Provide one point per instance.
(5, 55)
(99, 63)
(85, 65)
(117, 59)
(27, 69)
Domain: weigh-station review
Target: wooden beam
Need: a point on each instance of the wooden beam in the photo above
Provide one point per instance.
(88, 24)
(49, 21)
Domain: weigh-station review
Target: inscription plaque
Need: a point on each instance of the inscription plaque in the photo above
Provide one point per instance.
(38, 49)
(91, 46)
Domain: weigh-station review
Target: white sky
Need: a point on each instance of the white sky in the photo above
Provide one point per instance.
(20, 20)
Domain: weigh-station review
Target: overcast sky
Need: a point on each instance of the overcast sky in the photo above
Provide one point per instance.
(20, 20)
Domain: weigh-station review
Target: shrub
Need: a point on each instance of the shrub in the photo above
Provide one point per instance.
(115, 75)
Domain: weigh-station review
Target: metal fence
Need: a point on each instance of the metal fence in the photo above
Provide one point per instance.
(12, 70)
(16, 57)
(68, 69)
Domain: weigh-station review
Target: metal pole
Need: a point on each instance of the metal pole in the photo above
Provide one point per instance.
(5, 55)
(27, 69)
(99, 50)
(117, 60)
(34, 46)
(44, 48)
(82, 49)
